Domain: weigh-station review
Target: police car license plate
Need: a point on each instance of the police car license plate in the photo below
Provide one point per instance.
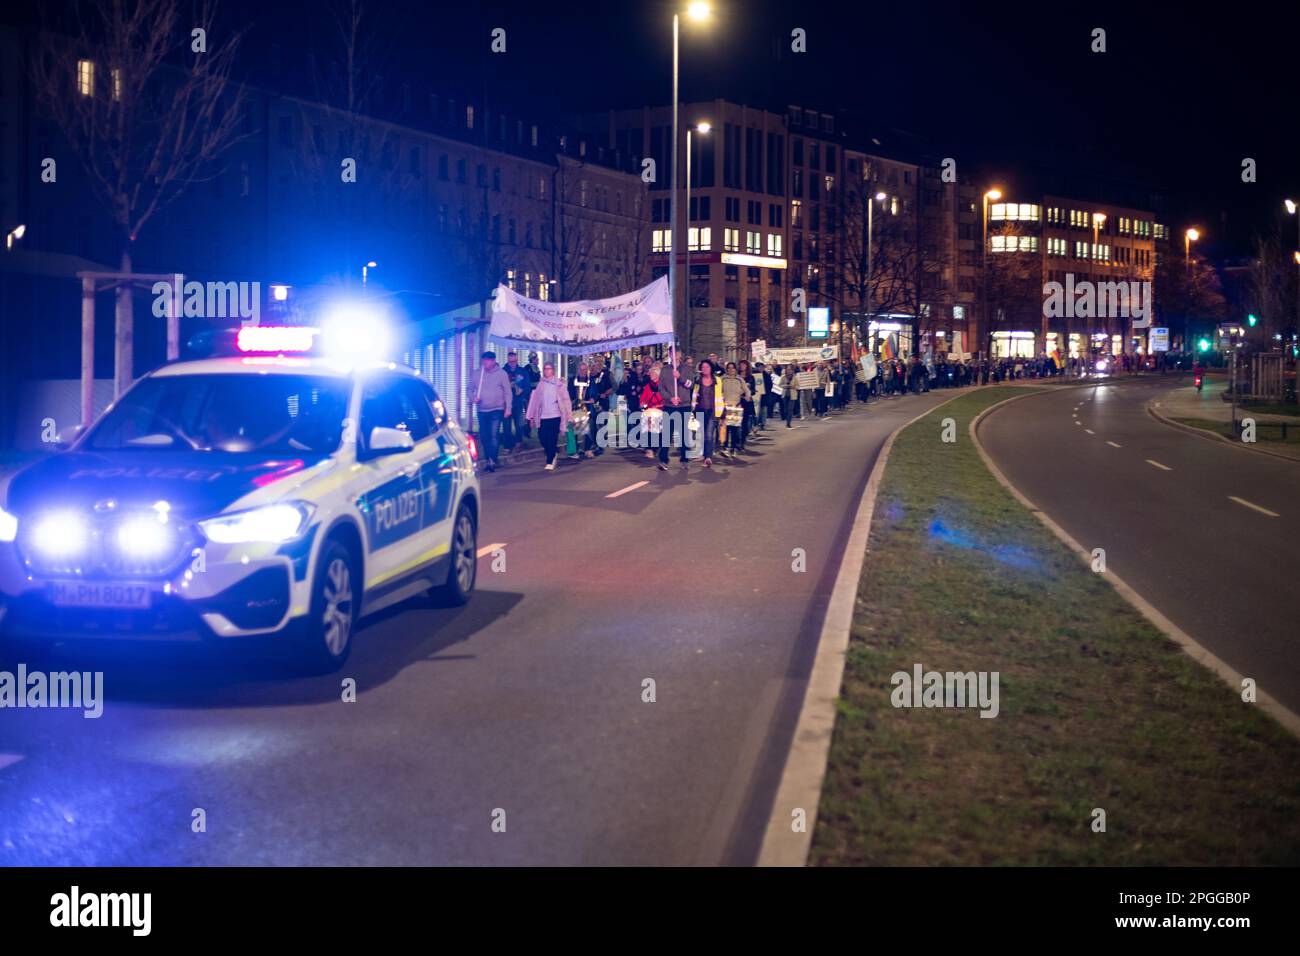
(110, 594)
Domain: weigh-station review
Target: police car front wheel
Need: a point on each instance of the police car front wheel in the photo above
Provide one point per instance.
(327, 637)
(464, 562)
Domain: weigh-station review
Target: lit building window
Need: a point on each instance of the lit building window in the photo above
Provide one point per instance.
(1101, 252)
(1011, 211)
(1080, 250)
(754, 243)
(830, 183)
(893, 206)
(1013, 244)
(116, 75)
(510, 278)
(661, 240)
(699, 238)
(796, 212)
(86, 77)
(469, 117)
(543, 288)
(1056, 247)
(774, 244)
(731, 240)
(528, 284)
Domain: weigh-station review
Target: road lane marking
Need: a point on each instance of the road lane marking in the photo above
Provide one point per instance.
(1151, 461)
(489, 548)
(1078, 423)
(623, 491)
(1090, 431)
(1113, 445)
(1253, 507)
(8, 760)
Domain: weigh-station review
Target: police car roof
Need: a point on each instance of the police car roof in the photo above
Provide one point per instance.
(275, 365)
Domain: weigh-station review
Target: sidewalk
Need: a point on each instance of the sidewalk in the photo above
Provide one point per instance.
(1209, 406)
(1209, 415)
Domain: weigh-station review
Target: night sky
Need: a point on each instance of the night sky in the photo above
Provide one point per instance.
(1173, 106)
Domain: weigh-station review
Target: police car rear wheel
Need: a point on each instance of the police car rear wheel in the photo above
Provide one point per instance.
(328, 636)
(464, 562)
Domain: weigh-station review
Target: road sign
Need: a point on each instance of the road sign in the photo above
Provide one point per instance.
(819, 322)
(1158, 340)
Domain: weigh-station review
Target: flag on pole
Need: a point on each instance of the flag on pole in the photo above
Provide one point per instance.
(889, 347)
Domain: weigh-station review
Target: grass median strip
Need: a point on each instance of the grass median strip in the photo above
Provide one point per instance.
(1097, 708)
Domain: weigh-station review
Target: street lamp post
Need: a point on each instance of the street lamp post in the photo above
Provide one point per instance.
(866, 304)
(1098, 220)
(994, 194)
(1190, 236)
(1292, 209)
(688, 330)
(365, 270)
(696, 11)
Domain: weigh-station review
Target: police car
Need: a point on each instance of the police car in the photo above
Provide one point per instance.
(267, 492)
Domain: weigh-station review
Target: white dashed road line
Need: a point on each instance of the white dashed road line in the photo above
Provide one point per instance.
(1151, 461)
(1090, 431)
(623, 491)
(1253, 507)
(1114, 445)
(489, 548)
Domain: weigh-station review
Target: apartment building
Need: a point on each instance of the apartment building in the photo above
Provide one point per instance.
(1089, 249)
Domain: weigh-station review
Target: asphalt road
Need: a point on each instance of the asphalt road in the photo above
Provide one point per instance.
(529, 700)
(1207, 533)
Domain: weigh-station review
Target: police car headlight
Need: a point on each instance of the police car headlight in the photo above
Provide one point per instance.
(8, 526)
(274, 524)
(62, 534)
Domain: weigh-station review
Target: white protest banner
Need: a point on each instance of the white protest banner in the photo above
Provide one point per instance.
(797, 355)
(805, 380)
(637, 318)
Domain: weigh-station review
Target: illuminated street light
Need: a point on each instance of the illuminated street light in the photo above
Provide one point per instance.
(993, 194)
(701, 127)
(372, 264)
(697, 11)
(14, 235)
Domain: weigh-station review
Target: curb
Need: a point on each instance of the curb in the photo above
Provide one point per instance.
(1213, 436)
(1289, 720)
(805, 762)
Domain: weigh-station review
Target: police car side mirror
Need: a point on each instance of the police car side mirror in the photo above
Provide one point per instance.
(389, 441)
(67, 437)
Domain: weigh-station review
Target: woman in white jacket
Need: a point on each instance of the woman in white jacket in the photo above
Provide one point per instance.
(549, 411)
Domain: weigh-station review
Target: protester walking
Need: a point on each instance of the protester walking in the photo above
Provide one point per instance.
(549, 412)
(493, 397)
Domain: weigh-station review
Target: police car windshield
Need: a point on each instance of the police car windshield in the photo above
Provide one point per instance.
(265, 414)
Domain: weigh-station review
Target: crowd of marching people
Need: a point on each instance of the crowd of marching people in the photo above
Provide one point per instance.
(719, 407)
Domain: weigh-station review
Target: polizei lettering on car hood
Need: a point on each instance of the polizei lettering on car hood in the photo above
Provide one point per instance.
(193, 484)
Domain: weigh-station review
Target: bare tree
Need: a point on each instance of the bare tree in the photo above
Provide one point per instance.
(882, 279)
(1272, 286)
(145, 102)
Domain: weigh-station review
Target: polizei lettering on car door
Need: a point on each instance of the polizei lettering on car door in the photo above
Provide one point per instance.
(395, 511)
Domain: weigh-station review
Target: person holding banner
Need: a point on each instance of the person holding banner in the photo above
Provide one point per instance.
(675, 388)
(652, 409)
(789, 394)
(494, 397)
(735, 394)
(549, 412)
(708, 404)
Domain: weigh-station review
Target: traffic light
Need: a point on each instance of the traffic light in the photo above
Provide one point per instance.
(1203, 345)
(1252, 320)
